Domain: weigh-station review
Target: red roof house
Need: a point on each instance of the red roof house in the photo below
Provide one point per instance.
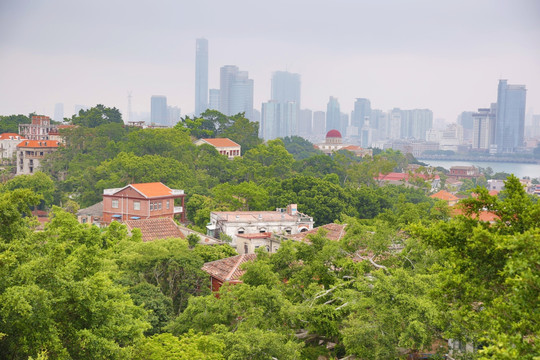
(224, 146)
(227, 270)
(142, 201)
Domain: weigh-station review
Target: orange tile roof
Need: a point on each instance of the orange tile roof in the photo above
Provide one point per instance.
(228, 269)
(483, 215)
(154, 189)
(39, 144)
(153, 229)
(444, 195)
(221, 142)
(11, 136)
(333, 232)
(493, 192)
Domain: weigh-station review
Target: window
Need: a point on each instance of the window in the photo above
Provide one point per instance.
(159, 205)
(241, 230)
(168, 202)
(136, 205)
(115, 204)
(151, 206)
(245, 248)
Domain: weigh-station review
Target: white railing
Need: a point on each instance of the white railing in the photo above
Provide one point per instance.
(110, 191)
(177, 192)
(178, 209)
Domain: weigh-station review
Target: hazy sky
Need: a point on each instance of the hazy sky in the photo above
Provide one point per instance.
(443, 55)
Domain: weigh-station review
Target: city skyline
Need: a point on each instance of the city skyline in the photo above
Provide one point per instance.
(447, 57)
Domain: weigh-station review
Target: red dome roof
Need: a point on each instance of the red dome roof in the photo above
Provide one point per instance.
(333, 134)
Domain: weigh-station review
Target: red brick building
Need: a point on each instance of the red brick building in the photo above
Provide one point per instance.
(142, 201)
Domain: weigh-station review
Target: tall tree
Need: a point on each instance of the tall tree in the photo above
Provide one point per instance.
(97, 115)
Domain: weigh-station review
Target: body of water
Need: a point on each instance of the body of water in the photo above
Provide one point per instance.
(518, 169)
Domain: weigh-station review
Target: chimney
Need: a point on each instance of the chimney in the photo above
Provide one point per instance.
(292, 209)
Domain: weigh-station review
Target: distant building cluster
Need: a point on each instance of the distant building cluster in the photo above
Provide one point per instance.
(28, 148)
(501, 127)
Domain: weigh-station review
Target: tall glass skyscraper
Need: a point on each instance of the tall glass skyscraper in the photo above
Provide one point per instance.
(236, 91)
(286, 87)
(362, 109)
(333, 115)
(158, 110)
(201, 76)
(510, 122)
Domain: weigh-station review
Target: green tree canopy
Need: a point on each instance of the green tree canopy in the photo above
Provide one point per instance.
(96, 116)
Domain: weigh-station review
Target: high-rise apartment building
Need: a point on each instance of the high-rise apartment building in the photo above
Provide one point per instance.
(173, 115)
(465, 119)
(333, 115)
(510, 122)
(278, 119)
(270, 119)
(484, 127)
(236, 91)
(201, 76)
(362, 110)
(286, 87)
(305, 117)
(419, 121)
(214, 99)
(158, 110)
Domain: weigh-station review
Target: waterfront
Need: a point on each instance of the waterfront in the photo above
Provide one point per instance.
(518, 169)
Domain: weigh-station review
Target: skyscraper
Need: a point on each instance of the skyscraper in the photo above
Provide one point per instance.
(286, 87)
(236, 91)
(305, 122)
(173, 115)
(484, 127)
(279, 119)
(214, 99)
(362, 109)
(333, 115)
(465, 119)
(270, 120)
(158, 110)
(201, 76)
(510, 122)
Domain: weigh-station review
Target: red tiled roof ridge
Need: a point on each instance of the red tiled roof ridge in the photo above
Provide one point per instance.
(39, 143)
(444, 195)
(152, 189)
(5, 136)
(221, 142)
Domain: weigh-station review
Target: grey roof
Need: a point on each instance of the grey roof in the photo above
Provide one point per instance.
(95, 210)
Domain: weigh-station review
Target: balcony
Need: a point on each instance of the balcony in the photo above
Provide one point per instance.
(177, 192)
(178, 209)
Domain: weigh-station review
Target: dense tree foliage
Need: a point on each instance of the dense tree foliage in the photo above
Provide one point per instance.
(96, 116)
(10, 123)
(407, 274)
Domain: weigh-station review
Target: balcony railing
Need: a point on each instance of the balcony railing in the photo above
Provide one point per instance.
(178, 209)
(177, 192)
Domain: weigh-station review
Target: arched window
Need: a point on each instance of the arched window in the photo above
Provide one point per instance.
(241, 230)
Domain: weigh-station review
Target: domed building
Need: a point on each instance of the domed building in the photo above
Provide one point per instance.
(334, 142)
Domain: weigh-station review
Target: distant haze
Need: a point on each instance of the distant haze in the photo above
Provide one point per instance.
(443, 55)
